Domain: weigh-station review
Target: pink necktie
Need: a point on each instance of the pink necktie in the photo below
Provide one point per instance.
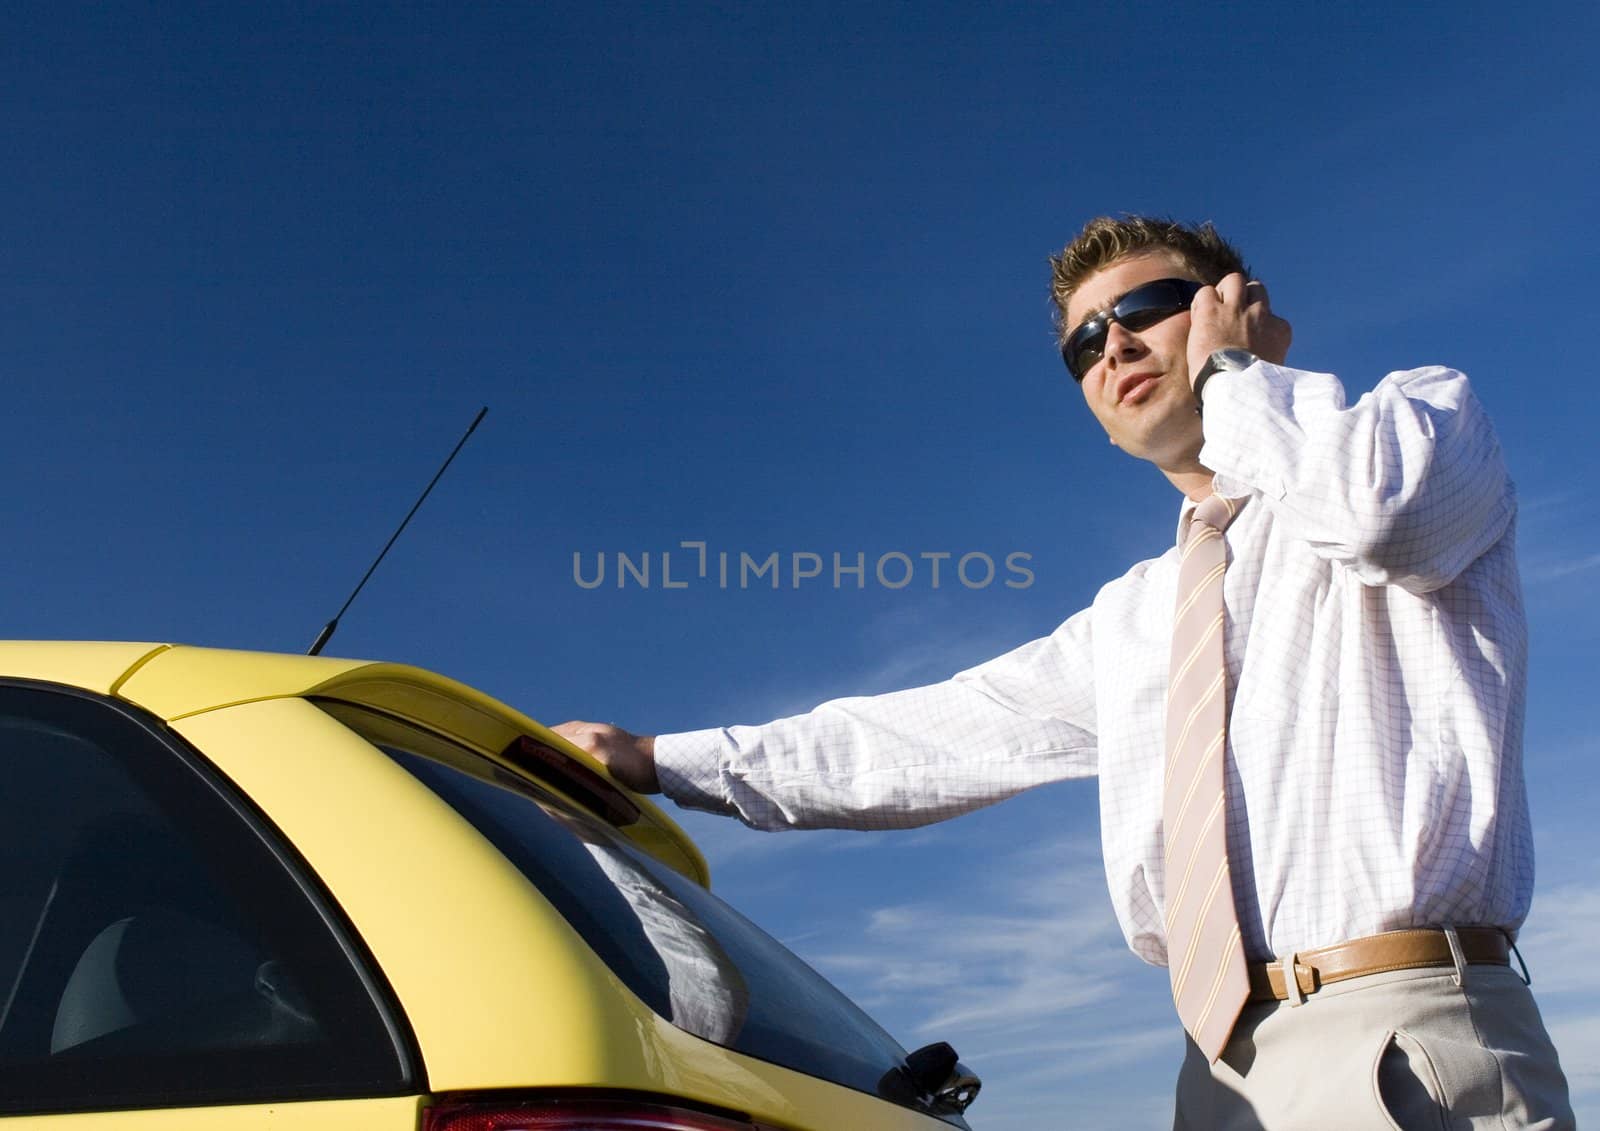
(1204, 954)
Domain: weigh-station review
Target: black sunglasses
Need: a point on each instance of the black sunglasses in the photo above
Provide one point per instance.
(1139, 309)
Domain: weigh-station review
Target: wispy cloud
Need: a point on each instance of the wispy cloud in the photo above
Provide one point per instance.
(907, 648)
(1577, 1039)
(1554, 535)
(731, 847)
(1566, 982)
(1035, 987)
(1547, 501)
(1560, 945)
(1539, 572)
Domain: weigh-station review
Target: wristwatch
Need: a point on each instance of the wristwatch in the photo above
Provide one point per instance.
(1221, 361)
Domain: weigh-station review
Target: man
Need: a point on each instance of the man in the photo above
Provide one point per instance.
(1312, 703)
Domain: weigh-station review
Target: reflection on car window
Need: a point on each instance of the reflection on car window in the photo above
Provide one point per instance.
(151, 946)
(707, 994)
(644, 932)
(683, 951)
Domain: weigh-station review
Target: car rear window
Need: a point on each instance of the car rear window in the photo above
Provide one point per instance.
(684, 952)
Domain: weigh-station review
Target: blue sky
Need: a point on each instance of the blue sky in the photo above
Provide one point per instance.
(771, 278)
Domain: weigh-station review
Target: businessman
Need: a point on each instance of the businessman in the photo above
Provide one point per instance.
(1305, 716)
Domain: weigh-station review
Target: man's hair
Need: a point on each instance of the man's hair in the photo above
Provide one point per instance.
(1105, 240)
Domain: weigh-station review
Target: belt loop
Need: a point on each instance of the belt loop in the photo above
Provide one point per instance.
(1291, 979)
(1457, 955)
(1527, 978)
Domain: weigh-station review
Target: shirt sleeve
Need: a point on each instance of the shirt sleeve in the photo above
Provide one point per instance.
(906, 758)
(1406, 487)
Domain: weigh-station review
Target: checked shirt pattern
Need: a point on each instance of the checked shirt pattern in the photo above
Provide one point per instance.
(1376, 649)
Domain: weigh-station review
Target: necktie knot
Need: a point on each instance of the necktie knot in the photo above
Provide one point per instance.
(1215, 511)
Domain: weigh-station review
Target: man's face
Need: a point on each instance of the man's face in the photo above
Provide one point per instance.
(1139, 391)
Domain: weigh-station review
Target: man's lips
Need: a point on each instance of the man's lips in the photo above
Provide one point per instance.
(1136, 386)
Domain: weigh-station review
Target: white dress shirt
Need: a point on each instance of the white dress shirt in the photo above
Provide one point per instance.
(1376, 650)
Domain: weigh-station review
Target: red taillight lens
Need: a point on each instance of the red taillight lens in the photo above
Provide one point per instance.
(572, 1115)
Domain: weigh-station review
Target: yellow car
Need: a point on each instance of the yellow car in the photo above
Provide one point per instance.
(247, 891)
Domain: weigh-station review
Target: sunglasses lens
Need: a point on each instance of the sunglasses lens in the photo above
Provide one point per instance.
(1143, 308)
(1084, 347)
(1139, 309)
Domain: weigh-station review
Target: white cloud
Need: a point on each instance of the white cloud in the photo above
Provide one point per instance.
(1033, 984)
(1095, 1054)
(1577, 1039)
(1059, 1109)
(1552, 570)
(735, 851)
(910, 647)
(1552, 500)
(1559, 943)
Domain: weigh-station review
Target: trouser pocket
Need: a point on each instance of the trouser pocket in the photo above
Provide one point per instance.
(1407, 1086)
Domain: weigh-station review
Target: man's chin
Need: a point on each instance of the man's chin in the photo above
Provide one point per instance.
(1175, 457)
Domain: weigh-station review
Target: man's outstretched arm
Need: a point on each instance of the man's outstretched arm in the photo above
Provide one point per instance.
(897, 760)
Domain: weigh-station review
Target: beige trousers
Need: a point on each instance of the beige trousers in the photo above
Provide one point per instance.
(1410, 1049)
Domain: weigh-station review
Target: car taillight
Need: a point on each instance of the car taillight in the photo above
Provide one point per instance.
(573, 1115)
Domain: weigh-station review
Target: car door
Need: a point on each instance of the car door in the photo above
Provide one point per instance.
(165, 960)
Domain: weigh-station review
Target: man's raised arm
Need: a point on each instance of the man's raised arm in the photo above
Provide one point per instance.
(1406, 487)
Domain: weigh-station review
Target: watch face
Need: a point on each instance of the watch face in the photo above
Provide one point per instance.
(1234, 359)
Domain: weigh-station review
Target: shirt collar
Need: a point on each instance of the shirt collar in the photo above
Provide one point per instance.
(1185, 513)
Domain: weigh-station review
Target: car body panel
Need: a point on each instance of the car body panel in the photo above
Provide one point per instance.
(95, 665)
(499, 991)
(476, 958)
(184, 681)
(388, 1114)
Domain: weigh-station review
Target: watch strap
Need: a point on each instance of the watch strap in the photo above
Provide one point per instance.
(1220, 361)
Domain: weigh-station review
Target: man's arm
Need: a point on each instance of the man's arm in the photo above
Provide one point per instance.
(897, 760)
(1406, 487)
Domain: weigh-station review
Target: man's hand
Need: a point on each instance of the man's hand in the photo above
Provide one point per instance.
(631, 758)
(1234, 315)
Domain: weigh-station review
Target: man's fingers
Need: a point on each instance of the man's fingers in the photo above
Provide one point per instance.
(1231, 289)
(1235, 313)
(586, 736)
(1234, 290)
(629, 757)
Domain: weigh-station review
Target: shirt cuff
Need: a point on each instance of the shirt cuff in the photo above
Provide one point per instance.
(1251, 413)
(689, 768)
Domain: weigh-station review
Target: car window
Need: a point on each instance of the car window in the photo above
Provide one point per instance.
(682, 950)
(154, 948)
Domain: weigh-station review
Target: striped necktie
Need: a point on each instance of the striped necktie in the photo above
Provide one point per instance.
(1204, 954)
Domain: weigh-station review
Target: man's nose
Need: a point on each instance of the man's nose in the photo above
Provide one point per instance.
(1121, 343)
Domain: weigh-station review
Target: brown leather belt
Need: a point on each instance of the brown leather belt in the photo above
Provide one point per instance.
(1377, 954)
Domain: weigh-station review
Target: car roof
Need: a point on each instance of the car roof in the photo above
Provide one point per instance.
(178, 681)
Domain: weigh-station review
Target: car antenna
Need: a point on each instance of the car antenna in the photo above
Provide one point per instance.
(332, 626)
